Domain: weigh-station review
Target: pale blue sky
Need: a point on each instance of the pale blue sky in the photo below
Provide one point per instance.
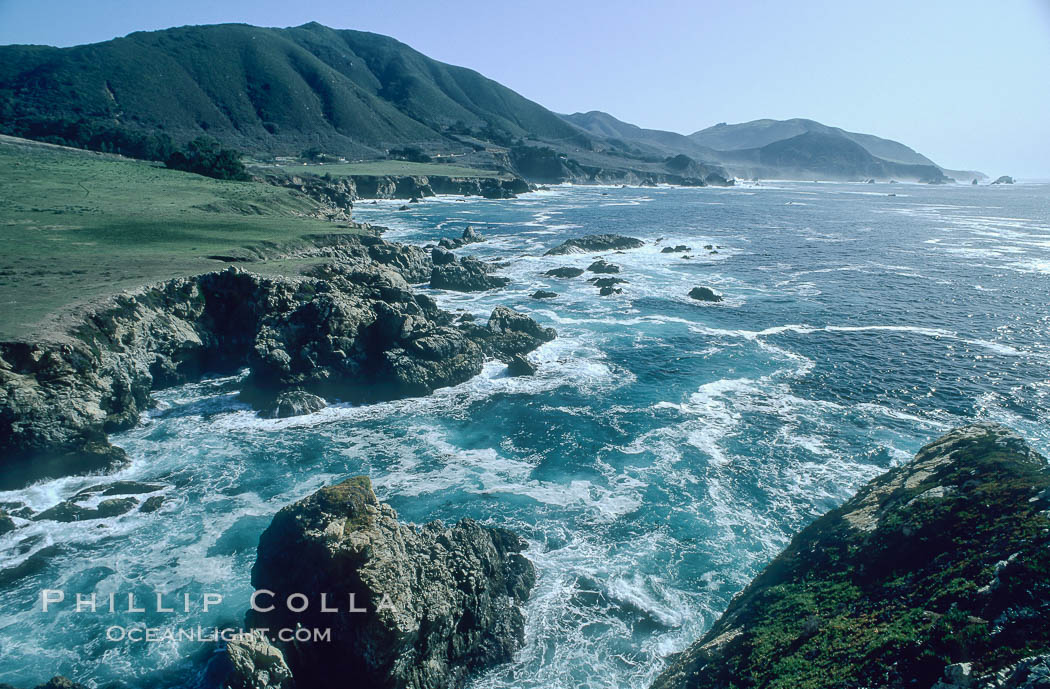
(966, 82)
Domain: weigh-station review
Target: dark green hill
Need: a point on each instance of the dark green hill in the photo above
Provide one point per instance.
(266, 90)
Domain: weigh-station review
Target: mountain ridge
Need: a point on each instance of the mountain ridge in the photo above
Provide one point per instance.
(284, 91)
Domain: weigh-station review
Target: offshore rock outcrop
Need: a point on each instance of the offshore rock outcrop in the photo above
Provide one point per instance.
(705, 294)
(435, 604)
(595, 242)
(349, 330)
(470, 236)
(936, 573)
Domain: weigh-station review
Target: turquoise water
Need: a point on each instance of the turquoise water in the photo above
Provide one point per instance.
(665, 451)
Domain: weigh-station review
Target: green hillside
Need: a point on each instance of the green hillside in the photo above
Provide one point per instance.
(274, 91)
(76, 226)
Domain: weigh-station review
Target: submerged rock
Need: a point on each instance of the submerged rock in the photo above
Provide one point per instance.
(603, 266)
(152, 504)
(595, 242)
(675, 249)
(607, 282)
(519, 366)
(69, 511)
(1005, 179)
(439, 603)
(934, 574)
(543, 294)
(608, 291)
(7, 524)
(566, 272)
(120, 488)
(705, 294)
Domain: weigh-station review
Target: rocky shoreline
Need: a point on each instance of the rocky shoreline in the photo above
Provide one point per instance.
(350, 329)
(340, 192)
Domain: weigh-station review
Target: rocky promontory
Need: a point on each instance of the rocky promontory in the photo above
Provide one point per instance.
(936, 574)
(350, 329)
(415, 607)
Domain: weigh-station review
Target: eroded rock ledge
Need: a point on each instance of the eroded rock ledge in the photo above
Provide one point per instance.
(351, 330)
(936, 574)
(437, 603)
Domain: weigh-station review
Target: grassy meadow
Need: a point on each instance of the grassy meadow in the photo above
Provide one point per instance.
(76, 226)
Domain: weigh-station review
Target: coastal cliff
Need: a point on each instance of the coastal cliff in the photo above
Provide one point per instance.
(340, 192)
(350, 329)
(431, 605)
(934, 575)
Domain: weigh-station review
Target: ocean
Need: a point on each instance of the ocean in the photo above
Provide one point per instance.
(665, 451)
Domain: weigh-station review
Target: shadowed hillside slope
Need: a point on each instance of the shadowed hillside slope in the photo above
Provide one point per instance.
(262, 89)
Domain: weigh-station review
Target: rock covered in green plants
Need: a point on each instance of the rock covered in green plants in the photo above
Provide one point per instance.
(937, 571)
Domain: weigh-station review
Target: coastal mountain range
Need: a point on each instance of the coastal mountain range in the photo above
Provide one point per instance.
(277, 92)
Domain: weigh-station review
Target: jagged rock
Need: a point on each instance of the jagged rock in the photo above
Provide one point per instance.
(566, 272)
(441, 603)
(115, 507)
(543, 294)
(675, 249)
(606, 282)
(257, 664)
(152, 504)
(896, 581)
(1005, 179)
(467, 275)
(603, 266)
(7, 525)
(290, 403)
(595, 242)
(519, 367)
(509, 332)
(608, 291)
(705, 294)
(471, 236)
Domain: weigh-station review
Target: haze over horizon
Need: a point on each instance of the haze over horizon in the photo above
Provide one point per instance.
(956, 81)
